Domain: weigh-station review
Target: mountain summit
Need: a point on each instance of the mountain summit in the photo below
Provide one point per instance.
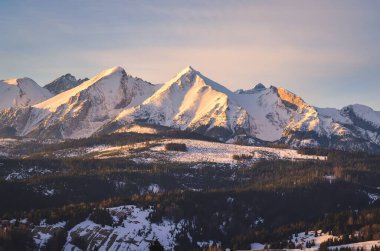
(80, 111)
(21, 92)
(113, 100)
(190, 101)
(64, 83)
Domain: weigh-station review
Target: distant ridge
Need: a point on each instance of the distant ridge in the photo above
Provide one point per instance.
(64, 83)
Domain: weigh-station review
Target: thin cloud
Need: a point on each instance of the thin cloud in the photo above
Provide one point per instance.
(316, 49)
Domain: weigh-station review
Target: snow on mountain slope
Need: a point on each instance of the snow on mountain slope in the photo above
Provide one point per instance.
(190, 101)
(21, 92)
(113, 101)
(132, 230)
(268, 114)
(334, 114)
(346, 114)
(354, 127)
(105, 85)
(64, 83)
(80, 111)
(365, 113)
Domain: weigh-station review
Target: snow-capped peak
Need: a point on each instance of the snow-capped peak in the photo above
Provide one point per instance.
(183, 73)
(187, 69)
(193, 101)
(21, 92)
(189, 77)
(110, 71)
(80, 111)
(109, 80)
(112, 99)
(190, 100)
(21, 81)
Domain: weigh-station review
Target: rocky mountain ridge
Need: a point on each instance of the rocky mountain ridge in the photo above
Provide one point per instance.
(113, 100)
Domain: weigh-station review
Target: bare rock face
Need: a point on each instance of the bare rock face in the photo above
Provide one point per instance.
(64, 83)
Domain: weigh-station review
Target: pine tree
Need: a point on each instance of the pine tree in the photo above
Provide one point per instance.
(156, 246)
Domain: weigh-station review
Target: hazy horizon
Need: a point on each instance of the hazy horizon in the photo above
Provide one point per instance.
(326, 52)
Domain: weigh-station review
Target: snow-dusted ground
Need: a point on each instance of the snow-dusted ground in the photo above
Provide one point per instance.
(80, 151)
(366, 245)
(373, 197)
(205, 151)
(137, 129)
(197, 151)
(134, 232)
(43, 232)
(257, 246)
(206, 244)
(303, 238)
(131, 230)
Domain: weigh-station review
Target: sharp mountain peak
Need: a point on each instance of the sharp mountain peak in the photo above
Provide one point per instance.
(113, 99)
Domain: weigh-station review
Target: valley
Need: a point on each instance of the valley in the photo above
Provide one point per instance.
(117, 163)
(125, 191)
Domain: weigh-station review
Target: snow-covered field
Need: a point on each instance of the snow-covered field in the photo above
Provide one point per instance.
(80, 151)
(205, 151)
(131, 230)
(373, 197)
(197, 151)
(366, 245)
(134, 232)
(137, 129)
(43, 232)
(301, 239)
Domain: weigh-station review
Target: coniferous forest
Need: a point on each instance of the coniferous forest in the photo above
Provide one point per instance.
(263, 201)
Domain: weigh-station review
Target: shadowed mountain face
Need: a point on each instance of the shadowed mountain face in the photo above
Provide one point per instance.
(64, 83)
(113, 100)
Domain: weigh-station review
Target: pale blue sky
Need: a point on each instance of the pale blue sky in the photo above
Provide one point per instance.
(328, 52)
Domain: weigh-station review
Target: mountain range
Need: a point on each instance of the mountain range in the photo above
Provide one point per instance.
(113, 101)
